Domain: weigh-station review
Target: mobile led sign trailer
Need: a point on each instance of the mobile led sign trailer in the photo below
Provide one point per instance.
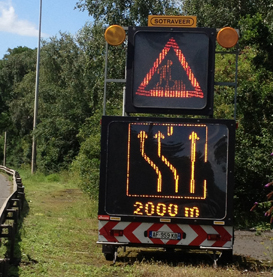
(170, 70)
(166, 182)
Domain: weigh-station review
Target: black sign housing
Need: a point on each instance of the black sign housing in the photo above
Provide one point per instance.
(178, 169)
(170, 70)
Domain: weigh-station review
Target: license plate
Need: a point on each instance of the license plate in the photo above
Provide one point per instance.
(164, 235)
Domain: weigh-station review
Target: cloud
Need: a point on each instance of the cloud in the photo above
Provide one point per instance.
(10, 23)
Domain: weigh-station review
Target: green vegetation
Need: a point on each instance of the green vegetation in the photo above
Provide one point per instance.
(71, 92)
(58, 235)
(58, 232)
(266, 204)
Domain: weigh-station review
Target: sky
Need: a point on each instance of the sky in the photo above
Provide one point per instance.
(19, 21)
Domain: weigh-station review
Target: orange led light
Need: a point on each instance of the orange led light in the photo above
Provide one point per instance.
(227, 37)
(174, 171)
(128, 158)
(160, 136)
(206, 146)
(149, 208)
(142, 136)
(159, 209)
(192, 212)
(169, 130)
(139, 207)
(193, 137)
(205, 189)
(115, 35)
(173, 210)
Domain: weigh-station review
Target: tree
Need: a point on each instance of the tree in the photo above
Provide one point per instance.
(13, 68)
(107, 12)
(126, 12)
(254, 113)
(256, 33)
(215, 13)
(64, 102)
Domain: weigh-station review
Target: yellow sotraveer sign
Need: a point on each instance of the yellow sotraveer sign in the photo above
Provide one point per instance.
(171, 21)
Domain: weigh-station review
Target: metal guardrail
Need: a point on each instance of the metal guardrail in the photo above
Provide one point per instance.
(11, 210)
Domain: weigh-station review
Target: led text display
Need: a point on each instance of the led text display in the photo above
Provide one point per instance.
(166, 169)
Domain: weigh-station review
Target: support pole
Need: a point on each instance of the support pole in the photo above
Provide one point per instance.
(33, 158)
(236, 80)
(105, 81)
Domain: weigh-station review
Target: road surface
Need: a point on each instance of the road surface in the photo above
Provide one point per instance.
(5, 189)
(250, 244)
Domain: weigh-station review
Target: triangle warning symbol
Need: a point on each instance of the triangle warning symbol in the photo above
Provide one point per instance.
(165, 86)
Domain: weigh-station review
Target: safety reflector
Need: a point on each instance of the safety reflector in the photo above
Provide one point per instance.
(213, 237)
(116, 233)
(103, 217)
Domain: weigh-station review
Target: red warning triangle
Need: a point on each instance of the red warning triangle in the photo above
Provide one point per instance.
(170, 88)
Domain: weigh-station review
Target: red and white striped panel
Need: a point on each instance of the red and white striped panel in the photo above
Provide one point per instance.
(196, 235)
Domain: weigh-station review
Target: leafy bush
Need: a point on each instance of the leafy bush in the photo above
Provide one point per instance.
(266, 205)
(87, 162)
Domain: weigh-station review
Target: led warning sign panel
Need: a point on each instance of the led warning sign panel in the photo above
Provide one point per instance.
(170, 71)
(150, 149)
(163, 168)
(165, 85)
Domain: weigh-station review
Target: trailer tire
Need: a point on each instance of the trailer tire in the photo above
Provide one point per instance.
(109, 252)
(227, 256)
(109, 256)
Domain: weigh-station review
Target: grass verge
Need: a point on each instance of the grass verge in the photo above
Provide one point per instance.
(58, 235)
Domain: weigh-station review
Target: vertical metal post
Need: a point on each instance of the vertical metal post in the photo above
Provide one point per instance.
(33, 158)
(123, 102)
(236, 76)
(5, 149)
(124, 90)
(105, 81)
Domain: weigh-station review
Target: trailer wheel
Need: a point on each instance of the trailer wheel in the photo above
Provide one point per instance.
(109, 256)
(109, 252)
(227, 256)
